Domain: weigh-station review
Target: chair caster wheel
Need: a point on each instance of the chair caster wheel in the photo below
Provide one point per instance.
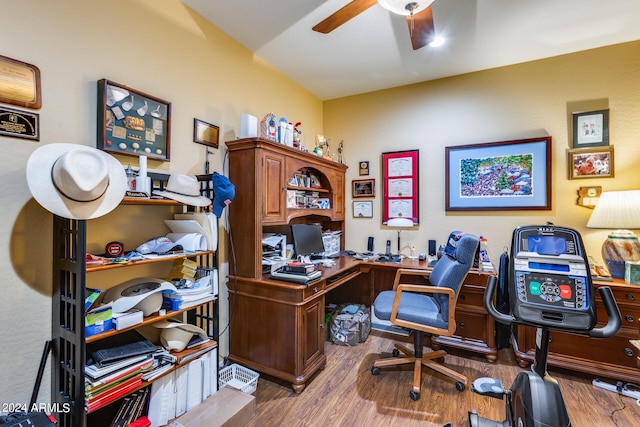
(414, 396)
(375, 370)
(460, 386)
(395, 352)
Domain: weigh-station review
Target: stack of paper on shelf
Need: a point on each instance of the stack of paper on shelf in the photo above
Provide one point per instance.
(105, 384)
(190, 293)
(203, 223)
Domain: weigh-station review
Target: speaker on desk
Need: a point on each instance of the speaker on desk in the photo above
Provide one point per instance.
(432, 248)
(370, 244)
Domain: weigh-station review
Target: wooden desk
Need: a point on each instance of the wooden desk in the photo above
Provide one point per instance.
(278, 327)
(611, 357)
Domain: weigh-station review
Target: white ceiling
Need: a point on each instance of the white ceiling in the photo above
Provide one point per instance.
(373, 50)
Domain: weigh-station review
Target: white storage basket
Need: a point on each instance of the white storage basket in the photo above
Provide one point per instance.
(238, 377)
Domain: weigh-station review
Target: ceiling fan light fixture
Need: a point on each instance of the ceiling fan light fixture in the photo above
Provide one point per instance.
(436, 42)
(405, 7)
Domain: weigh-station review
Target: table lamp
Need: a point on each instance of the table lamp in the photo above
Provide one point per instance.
(400, 223)
(620, 211)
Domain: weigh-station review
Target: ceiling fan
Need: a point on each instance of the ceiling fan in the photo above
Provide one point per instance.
(419, 17)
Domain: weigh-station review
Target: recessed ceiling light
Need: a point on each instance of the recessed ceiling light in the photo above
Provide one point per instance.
(437, 41)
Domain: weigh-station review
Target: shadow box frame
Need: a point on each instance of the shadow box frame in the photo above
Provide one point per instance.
(475, 174)
(400, 185)
(595, 158)
(122, 129)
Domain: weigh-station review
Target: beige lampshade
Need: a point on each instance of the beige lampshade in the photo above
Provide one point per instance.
(616, 210)
(619, 211)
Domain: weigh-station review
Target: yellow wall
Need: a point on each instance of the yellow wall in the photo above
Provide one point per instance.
(159, 47)
(521, 101)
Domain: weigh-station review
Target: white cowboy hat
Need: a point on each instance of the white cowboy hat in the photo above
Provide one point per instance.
(184, 189)
(176, 336)
(75, 181)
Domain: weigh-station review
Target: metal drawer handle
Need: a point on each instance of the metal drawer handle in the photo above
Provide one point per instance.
(628, 352)
(629, 318)
(462, 297)
(631, 297)
(462, 324)
(315, 289)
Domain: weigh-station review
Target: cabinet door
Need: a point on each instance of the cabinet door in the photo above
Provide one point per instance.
(338, 195)
(274, 185)
(313, 335)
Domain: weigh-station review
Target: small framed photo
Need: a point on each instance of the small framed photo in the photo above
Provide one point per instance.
(205, 133)
(591, 129)
(591, 163)
(363, 209)
(363, 188)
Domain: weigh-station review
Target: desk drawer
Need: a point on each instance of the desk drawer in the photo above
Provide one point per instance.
(313, 289)
(615, 350)
(471, 295)
(471, 325)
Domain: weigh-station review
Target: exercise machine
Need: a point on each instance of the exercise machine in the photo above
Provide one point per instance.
(550, 288)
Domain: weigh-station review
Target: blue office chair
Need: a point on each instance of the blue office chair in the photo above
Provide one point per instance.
(427, 308)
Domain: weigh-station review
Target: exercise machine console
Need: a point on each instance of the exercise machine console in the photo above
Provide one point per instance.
(550, 288)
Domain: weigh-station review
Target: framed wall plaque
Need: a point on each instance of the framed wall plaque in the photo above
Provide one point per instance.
(363, 188)
(20, 83)
(205, 133)
(19, 124)
(132, 122)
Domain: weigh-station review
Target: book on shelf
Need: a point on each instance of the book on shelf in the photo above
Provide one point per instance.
(299, 267)
(95, 391)
(95, 372)
(112, 395)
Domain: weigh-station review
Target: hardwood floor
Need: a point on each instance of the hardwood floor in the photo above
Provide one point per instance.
(346, 394)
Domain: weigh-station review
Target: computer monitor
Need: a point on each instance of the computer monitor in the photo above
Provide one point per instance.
(307, 239)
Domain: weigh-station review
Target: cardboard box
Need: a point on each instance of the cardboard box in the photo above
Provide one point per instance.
(227, 408)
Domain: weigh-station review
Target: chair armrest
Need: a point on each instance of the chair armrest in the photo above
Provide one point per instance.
(425, 289)
(409, 272)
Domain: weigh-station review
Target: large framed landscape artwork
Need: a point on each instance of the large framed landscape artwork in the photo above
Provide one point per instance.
(506, 175)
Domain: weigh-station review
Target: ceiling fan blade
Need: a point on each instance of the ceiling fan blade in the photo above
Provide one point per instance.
(423, 30)
(350, 10)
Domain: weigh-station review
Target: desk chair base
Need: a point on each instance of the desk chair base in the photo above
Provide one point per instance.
(416, 358)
